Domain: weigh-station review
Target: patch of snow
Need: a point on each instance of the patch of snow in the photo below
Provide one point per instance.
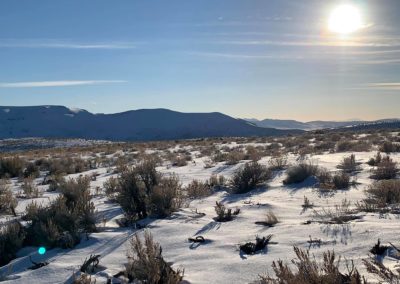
(75, 110)
(6, 110)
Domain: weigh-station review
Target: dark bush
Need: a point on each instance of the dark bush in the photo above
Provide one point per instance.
(8, 202)
(62, 222)
(166, 197)
(389, 147)
(11, 167)
(349, 164)
(224, 214)
(249, 176)
(198, 189)
(300, 173)
(386, 169)
(384, 192)
(11, 240)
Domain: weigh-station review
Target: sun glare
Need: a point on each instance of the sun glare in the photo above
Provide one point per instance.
(345, 19)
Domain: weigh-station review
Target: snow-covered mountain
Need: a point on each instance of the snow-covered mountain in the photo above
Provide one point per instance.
(137, 125)
(312, 125)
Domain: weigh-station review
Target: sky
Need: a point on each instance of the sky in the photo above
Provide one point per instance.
(245, 58)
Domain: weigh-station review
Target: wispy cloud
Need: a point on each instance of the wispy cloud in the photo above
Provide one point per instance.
(44, 84)
(65, 45)
(385, 86)
(338, 43)
(246, 56)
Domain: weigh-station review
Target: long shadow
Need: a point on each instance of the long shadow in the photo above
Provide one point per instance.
(110, 213)
(244, 256)
(232, 198)
(338, 231)
(310, 182)
(222, 168)
(196, 245)
(210, 226)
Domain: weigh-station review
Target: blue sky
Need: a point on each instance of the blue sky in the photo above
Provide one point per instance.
(245, 58)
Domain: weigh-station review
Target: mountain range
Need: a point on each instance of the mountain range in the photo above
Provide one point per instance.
(135, 125)
(313, 125)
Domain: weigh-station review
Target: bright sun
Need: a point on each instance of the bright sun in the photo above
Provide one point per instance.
(345, 19)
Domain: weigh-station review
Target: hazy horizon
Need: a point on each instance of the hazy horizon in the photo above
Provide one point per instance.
(260, 59)
(182, 111)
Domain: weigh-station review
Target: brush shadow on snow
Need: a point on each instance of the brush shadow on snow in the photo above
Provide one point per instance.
(222, 168)
(210, 226)
(233, 198)
(245, 256)
(309, 182)
(338, 231)
(196, 245)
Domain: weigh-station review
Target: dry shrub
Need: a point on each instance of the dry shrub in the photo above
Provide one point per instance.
(386, 169)
(339, 215)
(235, 156)
(249, 176)
(341, 180)
(375, 160)
(300, 173)
(64, 219)
(83, 278)
(327, 181)
(29, 188)
(8, 202)
(31, 170)
(198, 189)
(147, 265)
(180, 160)
(349, 164)
(11, 167)
(224, 214)
(389, 147)
(270, 220)
(166, 197)
(253, 153)
(132, 195)
(278, 163)
(111, 187)
(383, 273)
(143, 191)
(217, 181)
(308, 270)
(11, 240)
(383, 193)
(353, 146)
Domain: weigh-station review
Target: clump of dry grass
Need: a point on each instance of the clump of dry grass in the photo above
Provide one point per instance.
(270, 220)
(308, 270)
(147, 265)
(224, 214)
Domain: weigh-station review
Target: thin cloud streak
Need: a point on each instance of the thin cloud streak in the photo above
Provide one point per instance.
(385, 86)
(44, 84)
(337, 43)
(245, 56)
(66, 45)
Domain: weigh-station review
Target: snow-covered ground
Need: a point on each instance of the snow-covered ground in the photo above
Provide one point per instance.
(219, 260)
